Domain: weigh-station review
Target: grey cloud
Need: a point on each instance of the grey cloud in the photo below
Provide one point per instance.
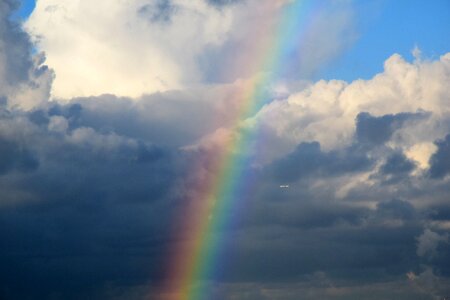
(223, 2)
(378, 130)
(160, 11)
(15, 47)
(174, 118)
(305, 160)
(428, 241)
(308, 160)
(397, 163)
(24, 80)
(440, 161)
(397, 167)
(39, 117)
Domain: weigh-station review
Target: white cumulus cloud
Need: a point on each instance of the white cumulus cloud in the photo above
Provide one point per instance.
(124, 47)
(326, 110)
(135, 47)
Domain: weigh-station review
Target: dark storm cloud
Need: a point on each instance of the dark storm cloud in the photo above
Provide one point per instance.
(440, 161)
(102, 207)
(96, 210)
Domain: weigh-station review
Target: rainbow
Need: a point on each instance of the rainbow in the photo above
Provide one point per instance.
(199, 256)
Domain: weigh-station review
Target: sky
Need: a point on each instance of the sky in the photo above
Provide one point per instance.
(224, 149)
